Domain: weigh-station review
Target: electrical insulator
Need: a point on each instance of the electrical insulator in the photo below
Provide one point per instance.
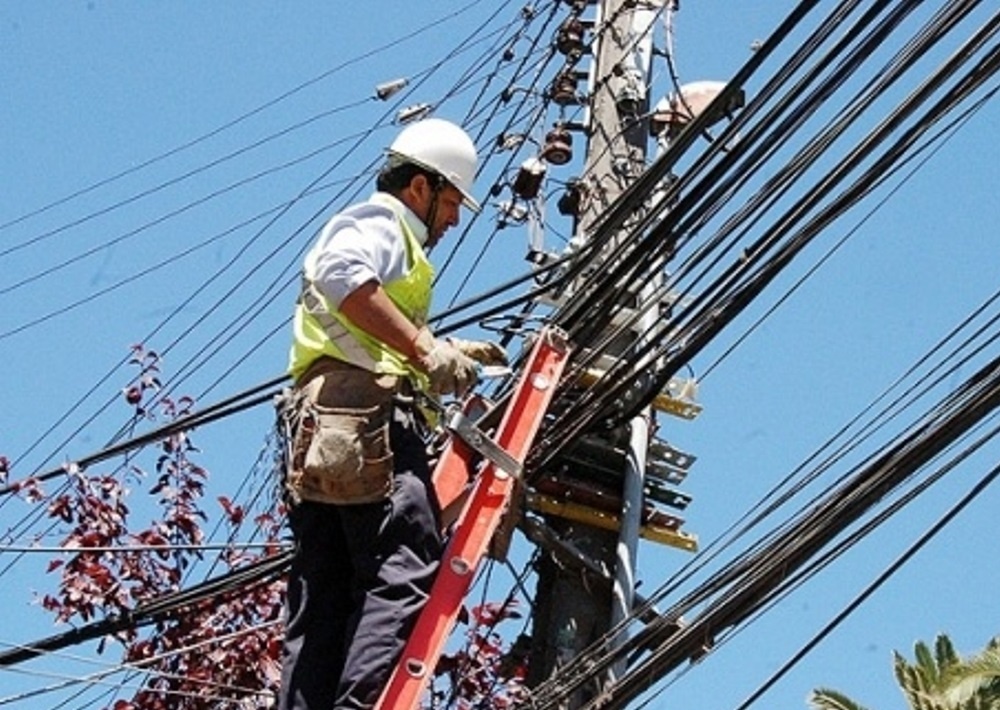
(390, 88)
(512, 213)
(529, 179)
(413, 113)
(571, 200)
(558, 148)
(509, 141)
(563, 89)
(569, 38)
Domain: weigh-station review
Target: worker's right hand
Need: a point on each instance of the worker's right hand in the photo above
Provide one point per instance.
(450, 370)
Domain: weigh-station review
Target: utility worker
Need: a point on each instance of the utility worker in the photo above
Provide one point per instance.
(363, 513)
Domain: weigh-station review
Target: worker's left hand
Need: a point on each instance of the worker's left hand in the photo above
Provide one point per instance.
(482, 351)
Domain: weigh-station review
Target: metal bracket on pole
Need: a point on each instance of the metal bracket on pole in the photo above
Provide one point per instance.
(466, 430)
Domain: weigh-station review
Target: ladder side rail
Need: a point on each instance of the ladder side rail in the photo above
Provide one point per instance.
(474, 530)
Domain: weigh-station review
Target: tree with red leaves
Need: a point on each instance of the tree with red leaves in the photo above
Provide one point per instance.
(224, 650)
(207, 653)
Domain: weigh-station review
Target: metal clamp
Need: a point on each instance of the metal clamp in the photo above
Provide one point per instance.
(466, 430)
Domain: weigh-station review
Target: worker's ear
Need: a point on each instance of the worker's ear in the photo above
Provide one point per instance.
(420, 186)
(417, 195)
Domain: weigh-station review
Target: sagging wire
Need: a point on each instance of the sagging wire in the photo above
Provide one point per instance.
(259, 572)
(695, 335)
(391, 44)
(360, 138)
(453, 252)
(244, 400)
(769, 566)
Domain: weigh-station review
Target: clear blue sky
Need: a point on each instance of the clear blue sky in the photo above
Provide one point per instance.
(91, 91)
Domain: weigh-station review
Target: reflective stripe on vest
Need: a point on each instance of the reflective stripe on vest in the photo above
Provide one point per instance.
(321, 330)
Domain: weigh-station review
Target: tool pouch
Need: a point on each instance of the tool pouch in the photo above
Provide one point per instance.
(341, 454)
(345, 456)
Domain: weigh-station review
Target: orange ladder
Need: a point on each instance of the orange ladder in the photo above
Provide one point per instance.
(488, 499)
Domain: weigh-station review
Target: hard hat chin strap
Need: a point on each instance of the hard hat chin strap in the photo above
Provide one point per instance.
(437, 185)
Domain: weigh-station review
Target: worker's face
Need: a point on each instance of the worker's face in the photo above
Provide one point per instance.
(444, 215)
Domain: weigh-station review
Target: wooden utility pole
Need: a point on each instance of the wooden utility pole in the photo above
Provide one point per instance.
(571, 611)
(618, 104)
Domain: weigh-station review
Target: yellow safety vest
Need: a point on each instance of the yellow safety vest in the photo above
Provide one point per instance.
(320, 329)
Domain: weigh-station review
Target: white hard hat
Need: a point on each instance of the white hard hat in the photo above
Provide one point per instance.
(443, 148)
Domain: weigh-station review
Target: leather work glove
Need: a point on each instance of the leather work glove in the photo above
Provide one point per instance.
(482, 351)
(449, 369)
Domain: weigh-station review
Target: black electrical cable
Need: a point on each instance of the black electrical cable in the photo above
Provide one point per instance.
(391, 44)
(772, 564)
(883, 577)
(693, 339)
(839, 549)
(178, 310)
(251, 398)
(168, 606)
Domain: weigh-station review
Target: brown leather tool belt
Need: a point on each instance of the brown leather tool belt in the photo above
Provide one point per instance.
(340, 451)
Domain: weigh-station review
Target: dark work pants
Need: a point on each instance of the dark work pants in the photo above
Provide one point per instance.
(359, 577)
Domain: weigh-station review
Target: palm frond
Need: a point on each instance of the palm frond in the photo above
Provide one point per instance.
(828, 699)
(945, 651)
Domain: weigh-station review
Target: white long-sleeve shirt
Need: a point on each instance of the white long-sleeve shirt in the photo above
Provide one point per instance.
(361, 244)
